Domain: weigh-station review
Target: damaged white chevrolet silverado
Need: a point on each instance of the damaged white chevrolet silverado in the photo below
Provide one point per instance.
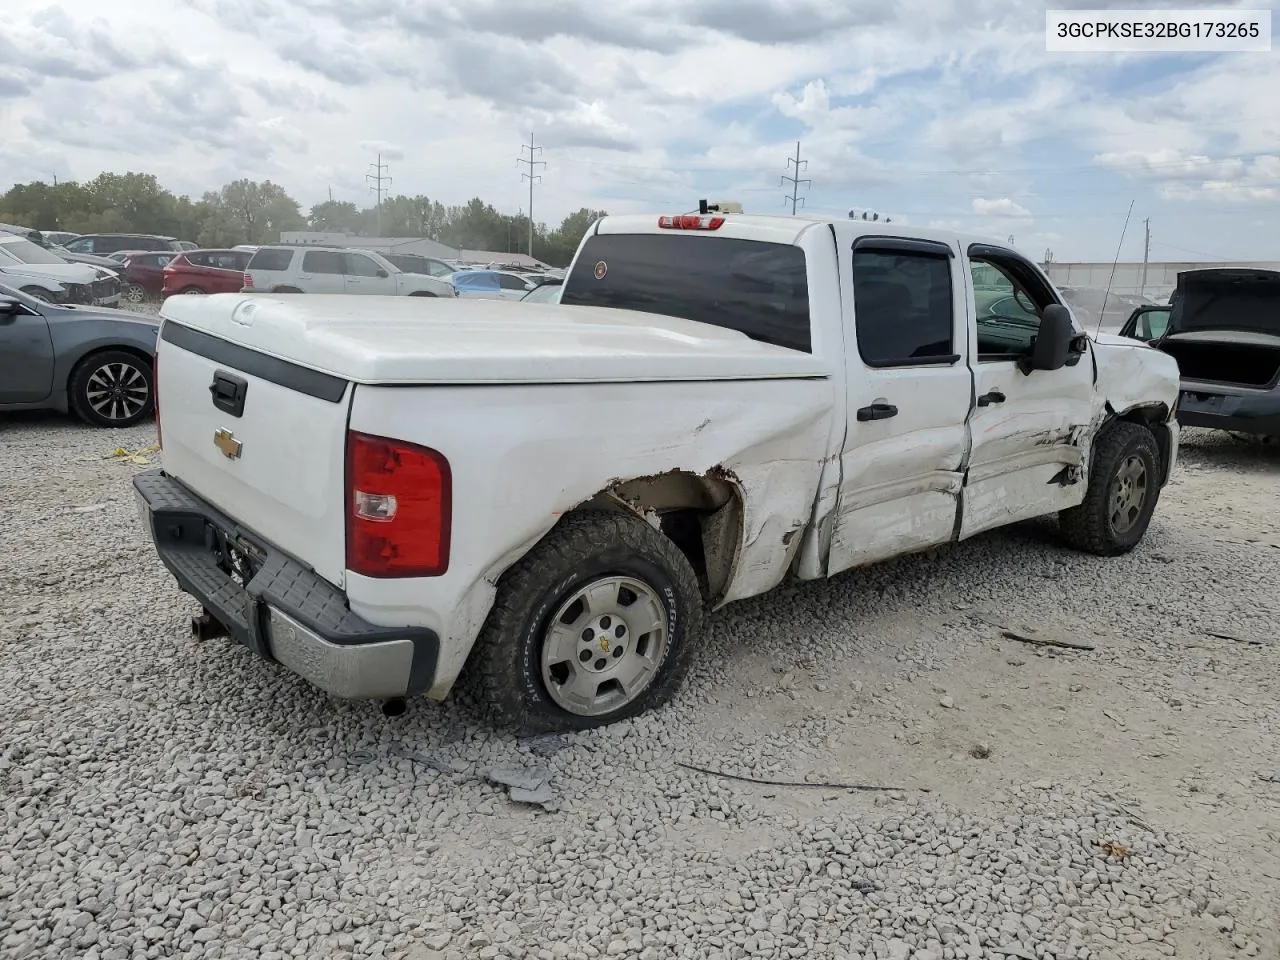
(387, 494)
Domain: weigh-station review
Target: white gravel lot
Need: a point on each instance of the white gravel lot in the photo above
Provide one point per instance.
(163, 798)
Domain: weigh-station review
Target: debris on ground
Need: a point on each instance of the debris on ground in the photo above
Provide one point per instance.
(531, 785)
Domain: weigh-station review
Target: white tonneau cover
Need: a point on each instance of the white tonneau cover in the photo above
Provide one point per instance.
(405, 340)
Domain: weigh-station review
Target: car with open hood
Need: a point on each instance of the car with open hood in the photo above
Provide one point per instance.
(1222, 325)
(42, 274)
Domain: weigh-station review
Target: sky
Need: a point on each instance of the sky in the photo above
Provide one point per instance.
(942, 113)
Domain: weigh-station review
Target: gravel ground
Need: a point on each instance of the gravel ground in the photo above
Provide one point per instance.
(163, 798)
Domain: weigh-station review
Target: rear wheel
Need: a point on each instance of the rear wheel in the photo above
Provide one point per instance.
(422, 293)
(597, 623)
(1124, 485)
(134, 293)
(112, 388)
(286, 290)
(191, 292)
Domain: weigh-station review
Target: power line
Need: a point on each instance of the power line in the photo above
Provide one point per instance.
(532, 163)
(376, 179)
(793, 180)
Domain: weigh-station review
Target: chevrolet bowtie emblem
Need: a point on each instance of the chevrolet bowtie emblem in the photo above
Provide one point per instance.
(226, 441)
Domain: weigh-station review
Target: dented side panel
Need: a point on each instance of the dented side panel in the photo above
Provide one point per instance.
(524, 455)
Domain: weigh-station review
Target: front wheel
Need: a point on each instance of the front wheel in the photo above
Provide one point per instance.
(597, 623)
(112, 389)
(1124, 485)
(135, 293)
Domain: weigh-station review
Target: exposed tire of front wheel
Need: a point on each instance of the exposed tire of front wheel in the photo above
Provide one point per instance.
(1124, 486)
(604, 603)
(112, 388)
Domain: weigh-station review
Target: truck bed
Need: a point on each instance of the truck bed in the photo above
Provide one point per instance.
(393, 340)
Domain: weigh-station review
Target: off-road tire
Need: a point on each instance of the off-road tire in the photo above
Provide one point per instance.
(1088, 527)
(78, 387)
(504, 671)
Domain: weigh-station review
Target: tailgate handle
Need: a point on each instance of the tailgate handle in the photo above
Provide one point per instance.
(228, 392)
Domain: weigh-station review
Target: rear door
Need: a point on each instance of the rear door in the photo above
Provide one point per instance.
(1027, 429)
(323, 271)
(909, 393)
(260, 438)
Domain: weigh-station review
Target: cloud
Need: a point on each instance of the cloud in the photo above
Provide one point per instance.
(945, 112)
(1003, 207)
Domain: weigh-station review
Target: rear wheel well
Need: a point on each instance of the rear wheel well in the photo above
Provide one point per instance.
(700, 514)
(1153, 416)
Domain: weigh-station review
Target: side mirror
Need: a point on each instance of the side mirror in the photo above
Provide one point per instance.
(1051, 348)
(10, 307)
(381, 272)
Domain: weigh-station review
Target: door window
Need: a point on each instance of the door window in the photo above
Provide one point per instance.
(1008, 300)
(511, 283)
(902, 304)
(83, 245)
(322, 261)
(359, 265)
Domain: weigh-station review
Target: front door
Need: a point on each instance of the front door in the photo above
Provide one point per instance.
(322, 272)
(364, 275)
(909, 391)
(26, 357)
(1027, 429)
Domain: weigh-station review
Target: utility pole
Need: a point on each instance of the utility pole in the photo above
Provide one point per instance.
(532, 163)
(794, 180)
(1146, 255)
(376, 180)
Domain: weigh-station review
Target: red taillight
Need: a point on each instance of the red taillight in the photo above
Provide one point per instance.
(248, 280)
(399, 508)
(690, 221)
(155, 391)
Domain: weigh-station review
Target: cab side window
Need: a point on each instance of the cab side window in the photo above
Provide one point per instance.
(902, 304)
(1009, 299)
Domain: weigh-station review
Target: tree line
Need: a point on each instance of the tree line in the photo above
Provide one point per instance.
(248, 211)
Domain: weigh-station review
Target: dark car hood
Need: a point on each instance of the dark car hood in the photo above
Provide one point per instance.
(1226, 299)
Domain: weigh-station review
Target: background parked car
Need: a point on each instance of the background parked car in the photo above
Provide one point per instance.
(43, 274)
(144, 275)
(315, 269)
(427, 266)
(59, 238)
(492, 284)
(548, 291)
(102, 244)
(205, 271)
(95, 362)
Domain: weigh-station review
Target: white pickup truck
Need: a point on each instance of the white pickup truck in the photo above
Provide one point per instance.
(388, 494)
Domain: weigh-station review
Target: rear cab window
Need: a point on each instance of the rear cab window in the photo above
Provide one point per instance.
(758, 288)
(272, 260)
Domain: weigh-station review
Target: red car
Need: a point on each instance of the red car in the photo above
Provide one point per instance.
(206, 271)
(142, 274)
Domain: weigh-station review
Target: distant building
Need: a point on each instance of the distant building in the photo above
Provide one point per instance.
(419, 245)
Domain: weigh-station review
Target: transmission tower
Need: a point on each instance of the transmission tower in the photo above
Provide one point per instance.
(532, 163)
(794, 180)
(376, 178)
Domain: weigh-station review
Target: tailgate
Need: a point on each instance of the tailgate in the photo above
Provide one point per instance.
(262, 439)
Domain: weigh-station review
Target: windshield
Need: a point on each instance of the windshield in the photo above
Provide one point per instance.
(28, 252)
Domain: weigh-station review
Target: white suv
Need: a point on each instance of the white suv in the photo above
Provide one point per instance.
(317, 269)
